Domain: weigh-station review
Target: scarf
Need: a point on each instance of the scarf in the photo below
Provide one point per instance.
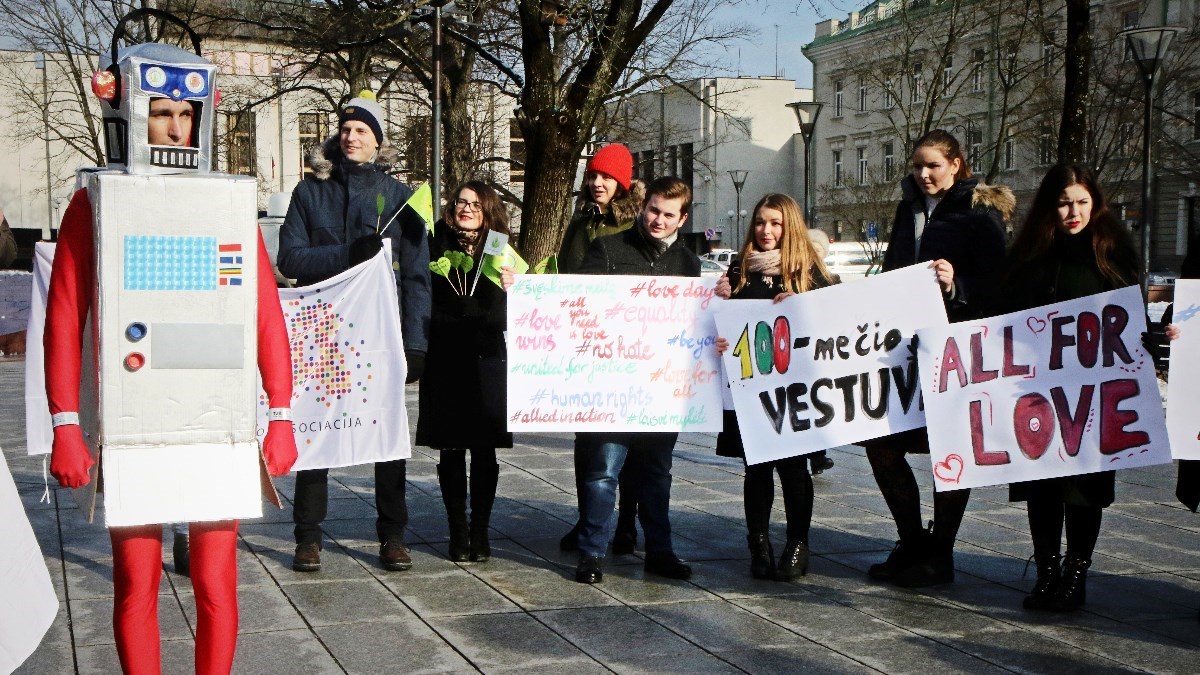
(468, 240)
(766, 263)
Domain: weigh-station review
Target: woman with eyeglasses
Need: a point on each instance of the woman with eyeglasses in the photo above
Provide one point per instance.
(461, 409)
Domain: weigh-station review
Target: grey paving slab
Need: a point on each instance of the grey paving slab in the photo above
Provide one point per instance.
(787, 660)
(178, 656)
(398, 645)
(338, 602)
(283, 651)
(449, 594)
(261, 609)
(92, 620)
(509, 641)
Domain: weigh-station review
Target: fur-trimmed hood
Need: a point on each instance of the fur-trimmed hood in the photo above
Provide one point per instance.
(624, 209)
(983, 196)
(325, 156)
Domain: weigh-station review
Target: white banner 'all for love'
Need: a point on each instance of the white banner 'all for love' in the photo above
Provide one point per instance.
(828, 367)
(1183, 387)
(612, 353)
(348, 369)
(1060, 390)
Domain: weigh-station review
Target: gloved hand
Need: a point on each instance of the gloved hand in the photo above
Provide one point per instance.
(365, 248)
(70, 460)
(279, 447)
(416, 365)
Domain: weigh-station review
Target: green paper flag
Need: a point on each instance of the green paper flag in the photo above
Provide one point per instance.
(547, 266)
(509, 258)
(422, 203)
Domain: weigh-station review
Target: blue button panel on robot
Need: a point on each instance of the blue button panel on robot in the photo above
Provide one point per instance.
(136, 331)
(176, 82)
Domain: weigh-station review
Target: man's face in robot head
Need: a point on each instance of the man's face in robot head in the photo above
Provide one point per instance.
(170, 122)
(358, 141)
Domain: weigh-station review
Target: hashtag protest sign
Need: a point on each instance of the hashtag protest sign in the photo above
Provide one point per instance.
(1183, 387)
(828, 367)
(1053, 391)
(612, 353)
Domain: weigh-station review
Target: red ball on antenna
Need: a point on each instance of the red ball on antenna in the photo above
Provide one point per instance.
(104, 85)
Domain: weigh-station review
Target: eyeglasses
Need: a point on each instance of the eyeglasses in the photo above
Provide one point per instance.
(473, 206)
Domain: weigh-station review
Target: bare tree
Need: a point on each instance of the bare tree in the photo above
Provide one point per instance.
(856, 205)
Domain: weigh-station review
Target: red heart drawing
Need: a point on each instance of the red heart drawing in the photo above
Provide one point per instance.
(1034, 321)
(949, 470)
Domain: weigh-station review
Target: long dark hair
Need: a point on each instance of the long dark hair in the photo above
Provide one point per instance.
(495, 216)
(949, 146)
(1115, 255)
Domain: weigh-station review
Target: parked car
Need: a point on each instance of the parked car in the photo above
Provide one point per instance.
(708, 268)
(849, 260)
(722, 256)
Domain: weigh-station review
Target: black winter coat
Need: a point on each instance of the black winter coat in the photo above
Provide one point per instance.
(631, 252)
(758, 287)
(337, 205)
(967, 229)
(1065, 272)
(463, 331)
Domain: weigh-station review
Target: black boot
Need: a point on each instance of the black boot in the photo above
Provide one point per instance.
(625, 538)
(182, 554)
(1072, 590)
(909, 550)
(794, 561)
(934, 569)
(1049, 576)
(453, 481)
(762, 557)
(483, 495)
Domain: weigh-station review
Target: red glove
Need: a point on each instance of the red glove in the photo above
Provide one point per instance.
(279, 447)
(70, 460)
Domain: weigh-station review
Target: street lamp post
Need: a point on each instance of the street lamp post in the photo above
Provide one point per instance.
(738, 176)
(1149, 48)
(43, 66)
(806, 115)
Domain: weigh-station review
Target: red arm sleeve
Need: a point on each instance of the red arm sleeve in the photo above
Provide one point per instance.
(72, 287)
(275, 366)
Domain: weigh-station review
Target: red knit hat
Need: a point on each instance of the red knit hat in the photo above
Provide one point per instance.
(613, 159)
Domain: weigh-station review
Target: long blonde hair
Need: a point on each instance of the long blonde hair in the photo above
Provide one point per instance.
(798, 258)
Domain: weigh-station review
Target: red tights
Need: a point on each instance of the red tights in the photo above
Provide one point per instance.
(137, 570)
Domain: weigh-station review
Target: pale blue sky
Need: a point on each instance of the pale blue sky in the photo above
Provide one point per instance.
(796, 20)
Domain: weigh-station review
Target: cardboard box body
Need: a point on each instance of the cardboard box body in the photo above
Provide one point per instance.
(176, 347)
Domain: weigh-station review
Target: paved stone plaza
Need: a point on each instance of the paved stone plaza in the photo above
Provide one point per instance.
(523, 611)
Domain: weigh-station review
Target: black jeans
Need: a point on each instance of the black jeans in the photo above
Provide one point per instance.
(312, 502)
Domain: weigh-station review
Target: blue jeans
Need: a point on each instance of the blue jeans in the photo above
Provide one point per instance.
(602, 461)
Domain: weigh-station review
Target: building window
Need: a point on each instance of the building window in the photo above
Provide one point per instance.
(891, 91)
(837, 167)
(686, 172)
(862, 165)
(979, 58)
(1010, 153)
(862, 94)
(1130, 18)
(975, 148)
(313, 128)
(1127, 145)
(240, 144)
(416, 137)
(917, 83)
(643, 165)
(837, 98)
(948, 73)
(889, 160)
(1046, 144)
(1196, 116)
(1048, 55)
(516, 153)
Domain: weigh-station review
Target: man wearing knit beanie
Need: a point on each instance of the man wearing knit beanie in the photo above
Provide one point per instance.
(364, 108)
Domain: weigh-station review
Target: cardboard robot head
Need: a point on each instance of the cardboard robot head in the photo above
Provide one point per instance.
(139, 74)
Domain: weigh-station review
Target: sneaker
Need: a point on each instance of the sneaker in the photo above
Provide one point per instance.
(393, 555)
(667, 565)
(307, 557)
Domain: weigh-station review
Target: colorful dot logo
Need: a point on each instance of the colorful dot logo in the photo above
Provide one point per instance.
(327, 359)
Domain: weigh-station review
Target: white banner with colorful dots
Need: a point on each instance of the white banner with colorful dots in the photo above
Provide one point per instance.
(348, 369)
(828, 367)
